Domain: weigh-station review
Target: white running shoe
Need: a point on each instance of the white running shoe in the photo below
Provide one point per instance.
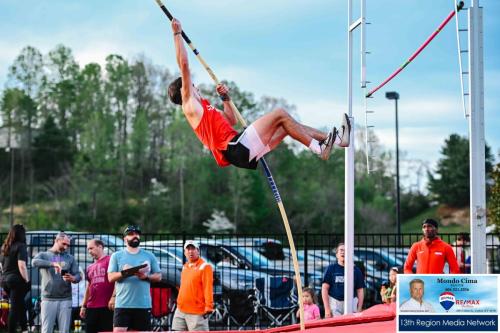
(327, 145)
(344, 132)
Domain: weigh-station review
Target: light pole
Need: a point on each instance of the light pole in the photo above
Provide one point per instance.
(11, 149)
(395, 96)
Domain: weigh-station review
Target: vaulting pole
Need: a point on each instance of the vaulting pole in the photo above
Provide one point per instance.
(267, 171)
(420, 49)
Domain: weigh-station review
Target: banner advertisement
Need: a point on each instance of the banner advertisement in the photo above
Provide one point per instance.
(448, 302)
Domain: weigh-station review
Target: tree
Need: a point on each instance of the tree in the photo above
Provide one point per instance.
(27, 74)
(118, 92)
(451, 186)
(494, 202)
(52, 152)
(59, 88)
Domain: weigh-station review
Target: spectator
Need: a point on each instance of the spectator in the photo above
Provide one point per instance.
(416, 303)
(195, 300)
(462, 252)
(133, 298)
(431, 252)
(311, 309)
(332, 289)
(388, 291)
(58, 269)
(98, 303)
(15, 279)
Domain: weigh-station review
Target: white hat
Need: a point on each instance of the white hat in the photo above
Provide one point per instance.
(191, 242)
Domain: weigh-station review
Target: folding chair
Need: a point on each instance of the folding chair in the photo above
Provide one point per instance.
(162, 310)
(273, 303)
(243, 310)
(276, 300)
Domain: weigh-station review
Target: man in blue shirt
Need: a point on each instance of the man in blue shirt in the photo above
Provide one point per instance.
(133, 299)
(332, 289)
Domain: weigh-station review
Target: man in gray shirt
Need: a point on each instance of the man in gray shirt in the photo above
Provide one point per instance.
(58, 269)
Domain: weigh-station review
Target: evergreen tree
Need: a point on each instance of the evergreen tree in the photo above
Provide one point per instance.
(451, 186)
(52, 151)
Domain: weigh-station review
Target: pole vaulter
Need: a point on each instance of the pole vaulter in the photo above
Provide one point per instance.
(267, 171)
(420, 49)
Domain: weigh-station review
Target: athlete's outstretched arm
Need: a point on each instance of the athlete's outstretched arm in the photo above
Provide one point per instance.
(182, 60)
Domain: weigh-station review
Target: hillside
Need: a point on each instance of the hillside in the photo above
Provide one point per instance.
(452, 220)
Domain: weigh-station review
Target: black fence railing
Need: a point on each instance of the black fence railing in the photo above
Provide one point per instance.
(245, 266)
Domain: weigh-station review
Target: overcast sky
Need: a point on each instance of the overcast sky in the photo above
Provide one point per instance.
(295, 49)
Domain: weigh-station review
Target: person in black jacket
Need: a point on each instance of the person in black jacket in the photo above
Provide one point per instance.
(15, 280)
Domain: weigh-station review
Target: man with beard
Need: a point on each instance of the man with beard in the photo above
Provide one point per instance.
(195, 301)
(58, 269)
(133, 299)
(98, 303)
(431, 253)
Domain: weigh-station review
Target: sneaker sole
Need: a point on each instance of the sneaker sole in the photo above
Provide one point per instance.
(343, 142)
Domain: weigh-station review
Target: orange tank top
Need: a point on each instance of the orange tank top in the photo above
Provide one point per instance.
(214, 131)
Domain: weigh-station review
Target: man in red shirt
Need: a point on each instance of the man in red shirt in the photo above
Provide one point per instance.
(214, 127)
(431, 253)
(98, 303)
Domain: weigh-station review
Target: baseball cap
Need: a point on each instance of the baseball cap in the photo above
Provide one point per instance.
(191, 242)
(431, 222)
(131, 228)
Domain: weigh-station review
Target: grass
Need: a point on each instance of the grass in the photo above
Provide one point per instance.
(414, 225)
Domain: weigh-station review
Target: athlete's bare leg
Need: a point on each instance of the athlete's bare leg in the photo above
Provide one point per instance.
(277, 138)
(274, 126)
(316, 134)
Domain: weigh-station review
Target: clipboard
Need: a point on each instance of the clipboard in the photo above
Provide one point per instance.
(131, 271)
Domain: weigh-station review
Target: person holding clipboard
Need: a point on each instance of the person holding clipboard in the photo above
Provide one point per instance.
(133, 269)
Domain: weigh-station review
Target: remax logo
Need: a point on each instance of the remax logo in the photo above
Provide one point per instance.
(447, 300)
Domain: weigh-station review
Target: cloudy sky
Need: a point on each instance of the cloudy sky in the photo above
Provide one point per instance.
(295, 49)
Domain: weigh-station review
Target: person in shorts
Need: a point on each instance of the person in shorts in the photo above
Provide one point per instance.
(133, 298)
(214, 128)
(195, 301)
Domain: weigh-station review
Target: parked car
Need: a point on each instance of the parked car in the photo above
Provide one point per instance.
(233, 277)
(256, 261)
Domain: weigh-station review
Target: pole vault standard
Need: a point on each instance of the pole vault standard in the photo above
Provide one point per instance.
(267, 171)
(420, 49)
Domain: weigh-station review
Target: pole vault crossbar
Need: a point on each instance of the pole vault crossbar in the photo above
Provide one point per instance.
(420, 49)
(263, 162)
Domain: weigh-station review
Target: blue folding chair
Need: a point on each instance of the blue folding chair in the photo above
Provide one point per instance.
(276, 301)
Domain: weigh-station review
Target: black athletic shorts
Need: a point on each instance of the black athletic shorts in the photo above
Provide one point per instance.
(98, 320)
(237, 154)
(133, 319)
